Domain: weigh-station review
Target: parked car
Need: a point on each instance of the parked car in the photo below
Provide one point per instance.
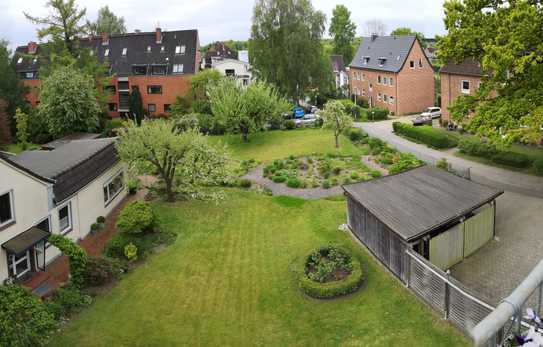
(307, 120)
(296, 113)
(422, 120)
(434, 112)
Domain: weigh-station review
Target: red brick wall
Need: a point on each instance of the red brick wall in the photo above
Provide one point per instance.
(33, 93)
(416, 86)
(413, 89)
(451, 88)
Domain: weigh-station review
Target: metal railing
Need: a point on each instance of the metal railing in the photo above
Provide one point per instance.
(506, 319)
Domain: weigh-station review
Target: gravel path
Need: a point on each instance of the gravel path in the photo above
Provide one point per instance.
(255, 176)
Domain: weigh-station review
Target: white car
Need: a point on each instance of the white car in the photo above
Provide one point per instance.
(434, 112)
(307, 120)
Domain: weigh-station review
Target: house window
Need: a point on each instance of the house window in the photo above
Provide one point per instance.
(7, 214)
(391, 100)
(167, 108)
(385, 98)
(20, 60)
(124, 52)
(154, 89)
(420, 63)
(106, 52)
(363, 91)
(112, 107)
(158, 70)
(19, 265)
(180, 49)
(230, 72)
(371, 88)
(363, 77)
(177, 68)
(391, 81)
(28, 75)
(379, 79)
(113, 187)
(65, 219)
(151, 108)
(110, 89)
(139, 70)
(148, 49)
(465, 87)
(162, 49)
(123, 85)
(379, 96)
(412, 64)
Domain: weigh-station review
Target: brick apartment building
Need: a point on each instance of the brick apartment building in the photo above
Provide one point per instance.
(456, 80)
(393, 72)
(160, 64)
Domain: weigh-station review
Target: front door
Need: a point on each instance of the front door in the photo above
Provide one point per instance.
(19, 265)
(39, 256)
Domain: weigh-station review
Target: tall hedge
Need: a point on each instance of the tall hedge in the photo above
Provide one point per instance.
(425, 134)
(76, 255)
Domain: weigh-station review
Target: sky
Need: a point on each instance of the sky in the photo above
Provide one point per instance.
(218, 20)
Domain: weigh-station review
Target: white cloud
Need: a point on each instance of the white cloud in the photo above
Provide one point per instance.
(220, 19)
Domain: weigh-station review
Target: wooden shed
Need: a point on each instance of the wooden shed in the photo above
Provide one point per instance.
(441, 216)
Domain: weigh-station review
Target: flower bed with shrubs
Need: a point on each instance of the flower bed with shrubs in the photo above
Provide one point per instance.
(318, 170)
(329, 272)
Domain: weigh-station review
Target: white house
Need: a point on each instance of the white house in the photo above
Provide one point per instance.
(341, 76)
(235, 68)
(59, 189)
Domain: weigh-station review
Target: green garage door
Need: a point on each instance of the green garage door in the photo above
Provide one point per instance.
(478, 230)
(447, 249)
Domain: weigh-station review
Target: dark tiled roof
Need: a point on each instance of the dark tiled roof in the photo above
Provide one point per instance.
(136, 51)
(337, 62)
(71, 165)
(394, 49)
(468, 67)
(416, 202)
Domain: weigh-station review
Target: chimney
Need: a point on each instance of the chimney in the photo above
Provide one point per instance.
(32, 47)
(374, 36)
(158, 35)
(105, 39)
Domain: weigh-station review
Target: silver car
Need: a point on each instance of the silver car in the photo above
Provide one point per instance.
(307, 120)
(434, 112)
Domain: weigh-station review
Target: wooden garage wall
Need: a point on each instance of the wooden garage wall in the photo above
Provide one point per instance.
(378, 238)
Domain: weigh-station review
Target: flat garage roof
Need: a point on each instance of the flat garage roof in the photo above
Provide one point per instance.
(416, 202)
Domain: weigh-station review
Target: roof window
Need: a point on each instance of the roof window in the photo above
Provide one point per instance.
(124, 51)
(20, 60)
(148, 49)
(106, 52)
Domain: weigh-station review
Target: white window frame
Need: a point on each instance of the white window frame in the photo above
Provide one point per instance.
(385, 98)
(177, 49)
(69, 227)
(106, 187)
(148, 49)
(11, 206)
(14, 264)
(124, 51)
(178, 68)
(391, 81)
(106, 52)
(391, 100)
(465, 91)
(363, 77)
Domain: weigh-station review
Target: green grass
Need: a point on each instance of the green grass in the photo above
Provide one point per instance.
(271, 145)
(228, 280)
(16, 148)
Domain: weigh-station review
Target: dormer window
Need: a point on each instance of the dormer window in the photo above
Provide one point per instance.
(124, 52)
(148, 49)
(365, 60)
(382, 61)
(106, 52)
(177, 49)
(35, 61)
(20, 60)
(162, 49)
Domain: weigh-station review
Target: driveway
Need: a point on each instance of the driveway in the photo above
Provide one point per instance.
(484, 174)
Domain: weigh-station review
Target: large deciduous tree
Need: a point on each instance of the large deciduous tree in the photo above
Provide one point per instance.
(505, 38)
(106, 23)
(335, 118)
(68, 102)
(343, 32)
(404, 31)
(199, 87)
(285, 46)
(183, 158)
(244, 110)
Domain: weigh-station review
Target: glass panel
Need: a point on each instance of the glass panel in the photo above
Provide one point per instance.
(64, 217)
(44, 225)
(5, 208)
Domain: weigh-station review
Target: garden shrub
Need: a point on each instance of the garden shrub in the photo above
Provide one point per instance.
(376, 145)
(209, 124)
(375, 174)
(326, 184)
(356, 135)
(67, 300)
(337, 170)
(101, 220)
(114, 248)
(279, 179)
(290, 124)
(347, 180)
(518, 160)
(94, 227)
(425, 134)
(538, 166)
(111, 126)
(405, 162)
(293, 183)
(136, 218)
(352, 109)
(377, 113)
(24, 318)
(245, 183)
(131, 252)
(133, 186)
(102, 270)
(77, 257)
(442, 164)
(354, 176)
(475, 147)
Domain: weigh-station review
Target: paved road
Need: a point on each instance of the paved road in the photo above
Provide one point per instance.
(485, 174)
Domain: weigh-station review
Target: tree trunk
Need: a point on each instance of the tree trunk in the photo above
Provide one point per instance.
(245, 136)
(337, 140)
(170, 195)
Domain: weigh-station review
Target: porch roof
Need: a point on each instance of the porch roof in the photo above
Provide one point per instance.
(20, 243)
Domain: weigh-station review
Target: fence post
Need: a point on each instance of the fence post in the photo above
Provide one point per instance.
(447, 297)
(408, 270)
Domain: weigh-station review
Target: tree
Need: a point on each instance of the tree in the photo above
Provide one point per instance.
(24, 318)
(181, 106)
(335, 118)
(505, 38)
(12, 91)
(199, 86)
(21, 119)
(404, 31)
(68, 102)
(106, 23)
(375, 27)
(62, 25)
(5, 132)
(245, 110)
(184, 160)
(135, 106)
(285, 46)
(343, 31)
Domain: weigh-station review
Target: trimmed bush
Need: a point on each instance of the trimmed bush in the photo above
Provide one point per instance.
(538, 166)
(293, 183)
(102, 270)
(279, 179)
(136, 218)
(101, 220)
(326, 184)
(377, 113)
(133, 186)
(513, 159)
(425, 134)
(94, 227)
(355, 134)
(475, 147)
(131, 252)
(67, 301)
(245, 183)
(290, 124)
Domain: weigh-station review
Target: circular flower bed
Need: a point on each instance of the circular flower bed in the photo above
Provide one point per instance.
(330, 272)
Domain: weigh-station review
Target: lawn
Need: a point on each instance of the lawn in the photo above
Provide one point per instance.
(271, 145)
(228, 280)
